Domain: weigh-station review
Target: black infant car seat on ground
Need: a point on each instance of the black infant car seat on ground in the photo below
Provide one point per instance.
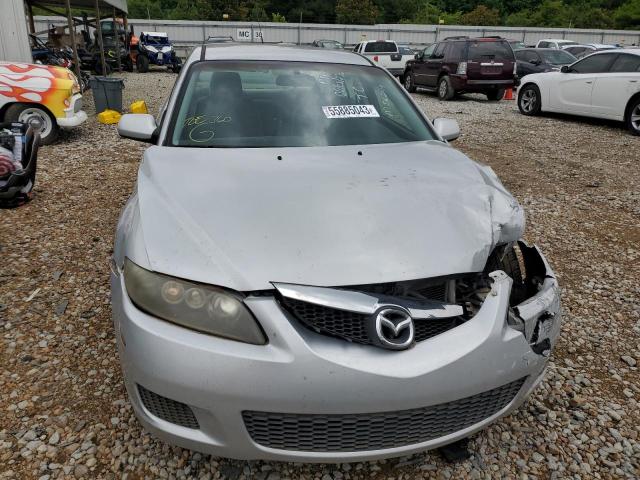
(16, 186)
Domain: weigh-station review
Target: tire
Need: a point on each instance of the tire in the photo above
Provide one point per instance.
(38, 117)
(142, 63)
(409, 83)
(529, 100)
(504, 258)
(445, 89)
(495, 95)
(632, 119)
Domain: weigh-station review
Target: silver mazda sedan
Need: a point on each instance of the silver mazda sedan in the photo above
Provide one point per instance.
(308, 271)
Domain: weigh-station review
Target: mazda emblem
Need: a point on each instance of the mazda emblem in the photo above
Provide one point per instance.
(392, 328)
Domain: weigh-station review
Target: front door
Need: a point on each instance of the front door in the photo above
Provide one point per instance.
(420, 68)
(574, 88)
(433, 65)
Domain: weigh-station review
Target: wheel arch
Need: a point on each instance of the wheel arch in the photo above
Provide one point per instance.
(627, 108)
(4, 108)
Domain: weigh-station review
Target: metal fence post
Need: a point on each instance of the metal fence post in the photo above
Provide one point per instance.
(204, 33)
(252, 33)
(299, 34)
(436, 37)
(345, 36)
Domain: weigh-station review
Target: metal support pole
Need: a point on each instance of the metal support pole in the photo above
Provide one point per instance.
(32, 24)
(116, 32)
(100, 43)
(74, 45)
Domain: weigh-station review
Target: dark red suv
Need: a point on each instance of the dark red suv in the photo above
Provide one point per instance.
(462, 64)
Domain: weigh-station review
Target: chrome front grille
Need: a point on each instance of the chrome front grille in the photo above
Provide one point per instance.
(352, 326)
(167, 409)
(374, 431)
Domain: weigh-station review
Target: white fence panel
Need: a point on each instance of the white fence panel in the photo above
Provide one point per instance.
(194, 32)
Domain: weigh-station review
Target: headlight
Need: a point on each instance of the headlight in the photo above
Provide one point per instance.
(199, 307)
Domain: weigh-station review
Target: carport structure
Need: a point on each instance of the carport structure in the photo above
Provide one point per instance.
(111, 8)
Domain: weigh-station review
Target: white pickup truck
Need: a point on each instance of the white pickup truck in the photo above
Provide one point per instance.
(384, 53)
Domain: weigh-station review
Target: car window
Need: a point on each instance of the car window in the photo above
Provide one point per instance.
(246, 104)
(405, 50)
(439, 51)
(558, 57)
(427, 52)
(357, 47)
(482, 50)
(516, 45)
(456, 51)
(626, 63)
(527, 56)
(544, 45)
(594, 63)
(381, 47)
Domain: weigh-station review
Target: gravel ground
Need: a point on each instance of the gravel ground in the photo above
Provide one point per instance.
(63, 407)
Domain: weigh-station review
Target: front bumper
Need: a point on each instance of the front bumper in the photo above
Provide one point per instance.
(301, 372)
(74, 115)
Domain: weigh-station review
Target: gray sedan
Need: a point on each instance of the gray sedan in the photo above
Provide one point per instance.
(308, 271)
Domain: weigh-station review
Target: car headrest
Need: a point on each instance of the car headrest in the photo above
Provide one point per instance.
(225, 84)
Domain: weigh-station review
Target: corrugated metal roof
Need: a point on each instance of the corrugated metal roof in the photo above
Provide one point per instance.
(120, 5)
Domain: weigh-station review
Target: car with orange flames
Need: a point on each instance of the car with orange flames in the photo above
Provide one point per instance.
(44, 96)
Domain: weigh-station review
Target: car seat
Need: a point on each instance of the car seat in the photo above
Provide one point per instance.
(16, 186)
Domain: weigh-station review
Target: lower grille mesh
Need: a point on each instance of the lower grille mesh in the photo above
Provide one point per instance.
(167, 409)
(373, 431)
(352, 326)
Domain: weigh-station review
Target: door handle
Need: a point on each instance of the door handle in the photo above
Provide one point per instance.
(589, 83)
(633, 81)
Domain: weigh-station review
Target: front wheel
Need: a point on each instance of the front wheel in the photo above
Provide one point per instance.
(529, 101)
(36, 116)
(409, 83)
(633, 117)
(445, 89)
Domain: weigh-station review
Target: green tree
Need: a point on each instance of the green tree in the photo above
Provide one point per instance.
(192, 10)
(359, 12)
(258, 13)
(481, 15)
(277, 18)
(628, 15)
(145, 9)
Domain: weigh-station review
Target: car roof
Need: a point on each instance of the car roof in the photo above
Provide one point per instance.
(555, 40)
(632, 51)
(236, 51)
(535, 49)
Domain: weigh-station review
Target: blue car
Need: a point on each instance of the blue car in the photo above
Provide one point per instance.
(154, 48)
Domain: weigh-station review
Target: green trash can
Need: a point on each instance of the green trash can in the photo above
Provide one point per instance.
(107, 93)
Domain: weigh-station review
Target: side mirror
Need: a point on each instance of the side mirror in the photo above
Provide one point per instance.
(447, 128)
(565, 69)
(137, 126)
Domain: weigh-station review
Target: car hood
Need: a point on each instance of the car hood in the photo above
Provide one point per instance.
(327, 216)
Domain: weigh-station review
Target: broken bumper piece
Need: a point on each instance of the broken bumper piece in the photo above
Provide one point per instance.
(538, 317)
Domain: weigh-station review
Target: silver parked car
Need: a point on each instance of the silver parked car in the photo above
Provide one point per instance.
(308, 271)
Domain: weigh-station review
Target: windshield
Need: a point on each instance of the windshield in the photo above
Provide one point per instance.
(405, 51)
(331, 44)
(483, 50)
(381, 47)
(152, 40)
(292, 104)
(558, 57)
(516, 45)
